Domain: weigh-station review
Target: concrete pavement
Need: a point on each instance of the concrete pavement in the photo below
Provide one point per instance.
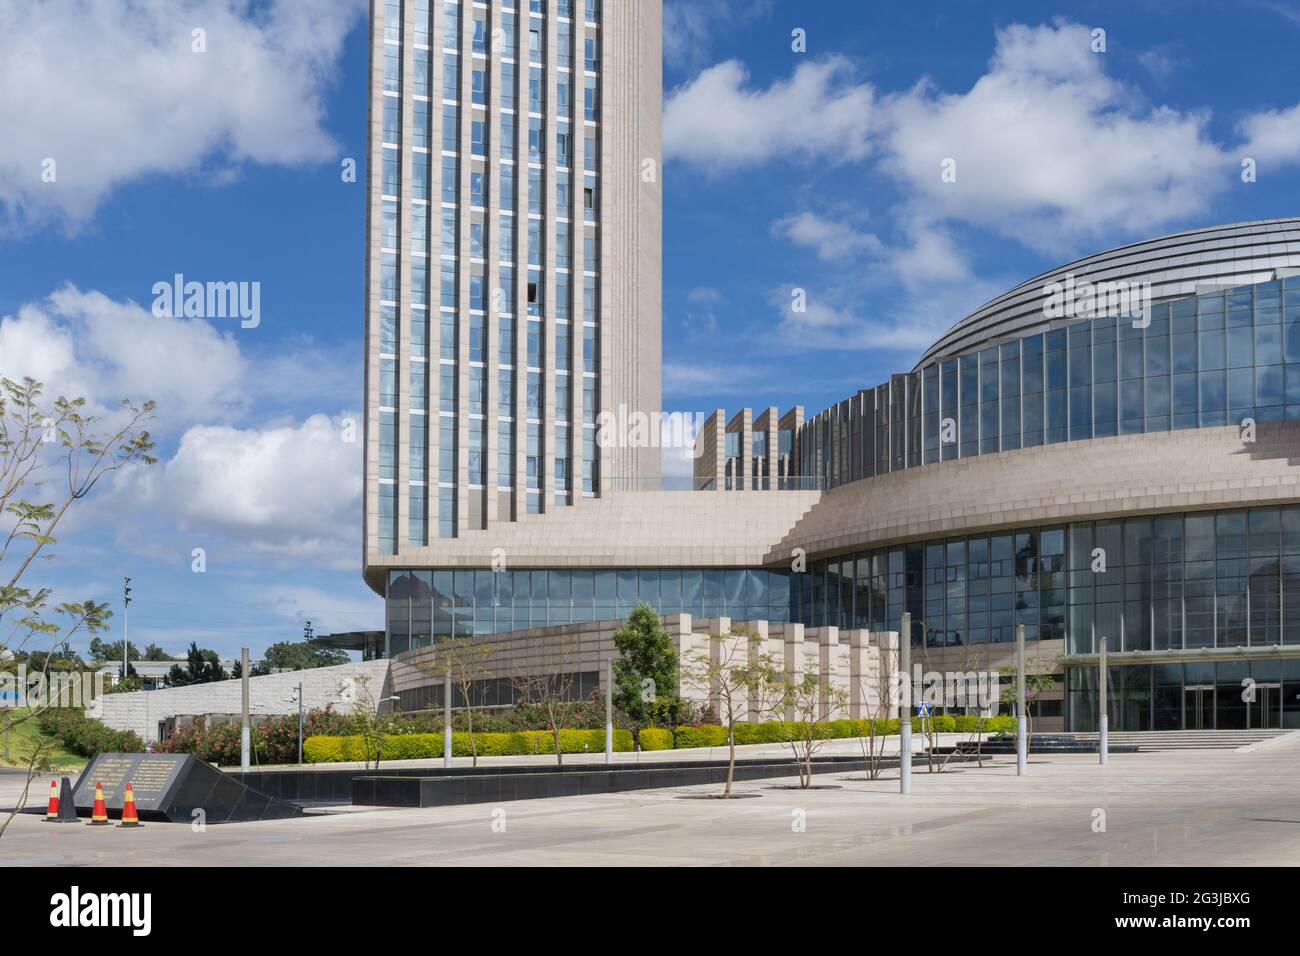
(1170, 808)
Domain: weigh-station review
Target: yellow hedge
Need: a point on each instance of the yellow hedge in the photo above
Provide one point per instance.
(322, 749)
(656, 738)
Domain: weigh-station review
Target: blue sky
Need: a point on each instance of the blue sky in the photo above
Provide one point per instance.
(817, 170)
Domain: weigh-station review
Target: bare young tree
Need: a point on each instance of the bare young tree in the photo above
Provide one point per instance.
(365, 708)
(52, 455)
(467, 662)
(956, 693)
(729, 674)
(547, 686)
(1038, 681)
(879, 695)
(809, 698)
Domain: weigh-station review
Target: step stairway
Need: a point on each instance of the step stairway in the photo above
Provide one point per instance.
(1183, 739)
(1044, 744)
(1127, 741)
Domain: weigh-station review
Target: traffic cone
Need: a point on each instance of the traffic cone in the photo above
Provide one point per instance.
(52, 809)
(67, 805)
(99, 812)
(129, 816)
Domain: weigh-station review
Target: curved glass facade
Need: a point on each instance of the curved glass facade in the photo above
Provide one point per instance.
(1200, 361)
(1192, 695)
(426, 606)
(1170, 582)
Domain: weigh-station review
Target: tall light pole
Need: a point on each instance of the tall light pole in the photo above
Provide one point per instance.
(446, 718)
(1103, 741)
(298, 698)
(126, 625)
(244, 732)
(1022, 718)
(905, 704)
(609, 711)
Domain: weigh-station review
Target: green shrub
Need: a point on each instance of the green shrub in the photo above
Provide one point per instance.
(656, 738)
(86, 736)
(427, 746)
(418, 746)
(705, 735)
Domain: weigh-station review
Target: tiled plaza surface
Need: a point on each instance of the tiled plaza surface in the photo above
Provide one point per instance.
(1170, 808)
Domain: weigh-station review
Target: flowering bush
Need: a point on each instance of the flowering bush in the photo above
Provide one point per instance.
(273, 741)
(86, 736)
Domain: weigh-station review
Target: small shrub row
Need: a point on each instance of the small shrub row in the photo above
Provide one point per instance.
(332, 749)
(321, 749)
(656, 738)
(782, 731)
(85, 735)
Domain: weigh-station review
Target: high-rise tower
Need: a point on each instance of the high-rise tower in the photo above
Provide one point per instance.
(513, 259)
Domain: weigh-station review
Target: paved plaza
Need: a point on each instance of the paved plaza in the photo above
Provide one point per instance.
(1166, 808)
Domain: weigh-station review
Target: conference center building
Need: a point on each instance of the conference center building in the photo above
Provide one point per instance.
(1108, 450)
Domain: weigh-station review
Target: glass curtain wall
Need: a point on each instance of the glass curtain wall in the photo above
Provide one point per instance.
(1198, 362)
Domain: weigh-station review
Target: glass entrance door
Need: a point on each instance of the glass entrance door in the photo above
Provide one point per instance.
(1198, 707)
(1266, 711)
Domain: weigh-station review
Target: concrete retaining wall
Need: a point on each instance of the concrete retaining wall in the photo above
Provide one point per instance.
(143, 710)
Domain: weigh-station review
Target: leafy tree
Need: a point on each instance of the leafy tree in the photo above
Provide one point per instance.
(104, 651)
(301, 656)
(202, 666)
(52, 455)
(645, 673)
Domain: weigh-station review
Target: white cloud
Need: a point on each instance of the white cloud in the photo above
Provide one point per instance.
(288, 492)
(1272, 138)
(328, 611)
(930, 256)
(831, 239)
(830, 320)
(704, 378)
(112, 91)
(717, 121)
(86, 344)
(1048, 148)
(689, 26)
(282, 488)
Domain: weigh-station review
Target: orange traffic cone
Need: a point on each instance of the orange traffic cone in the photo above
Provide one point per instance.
(99, 812)
(52, 811)
(129, 816)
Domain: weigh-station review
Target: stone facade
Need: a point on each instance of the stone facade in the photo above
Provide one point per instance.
(854, 662)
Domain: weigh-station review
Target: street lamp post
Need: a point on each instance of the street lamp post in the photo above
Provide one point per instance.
(126, 625)
(1103, 738)
(609, 711)
(446, 718)
(905, 704)
(1022, 718)
(244, 733)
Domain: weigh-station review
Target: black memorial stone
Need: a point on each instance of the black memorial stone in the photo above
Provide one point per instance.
(172, 787)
